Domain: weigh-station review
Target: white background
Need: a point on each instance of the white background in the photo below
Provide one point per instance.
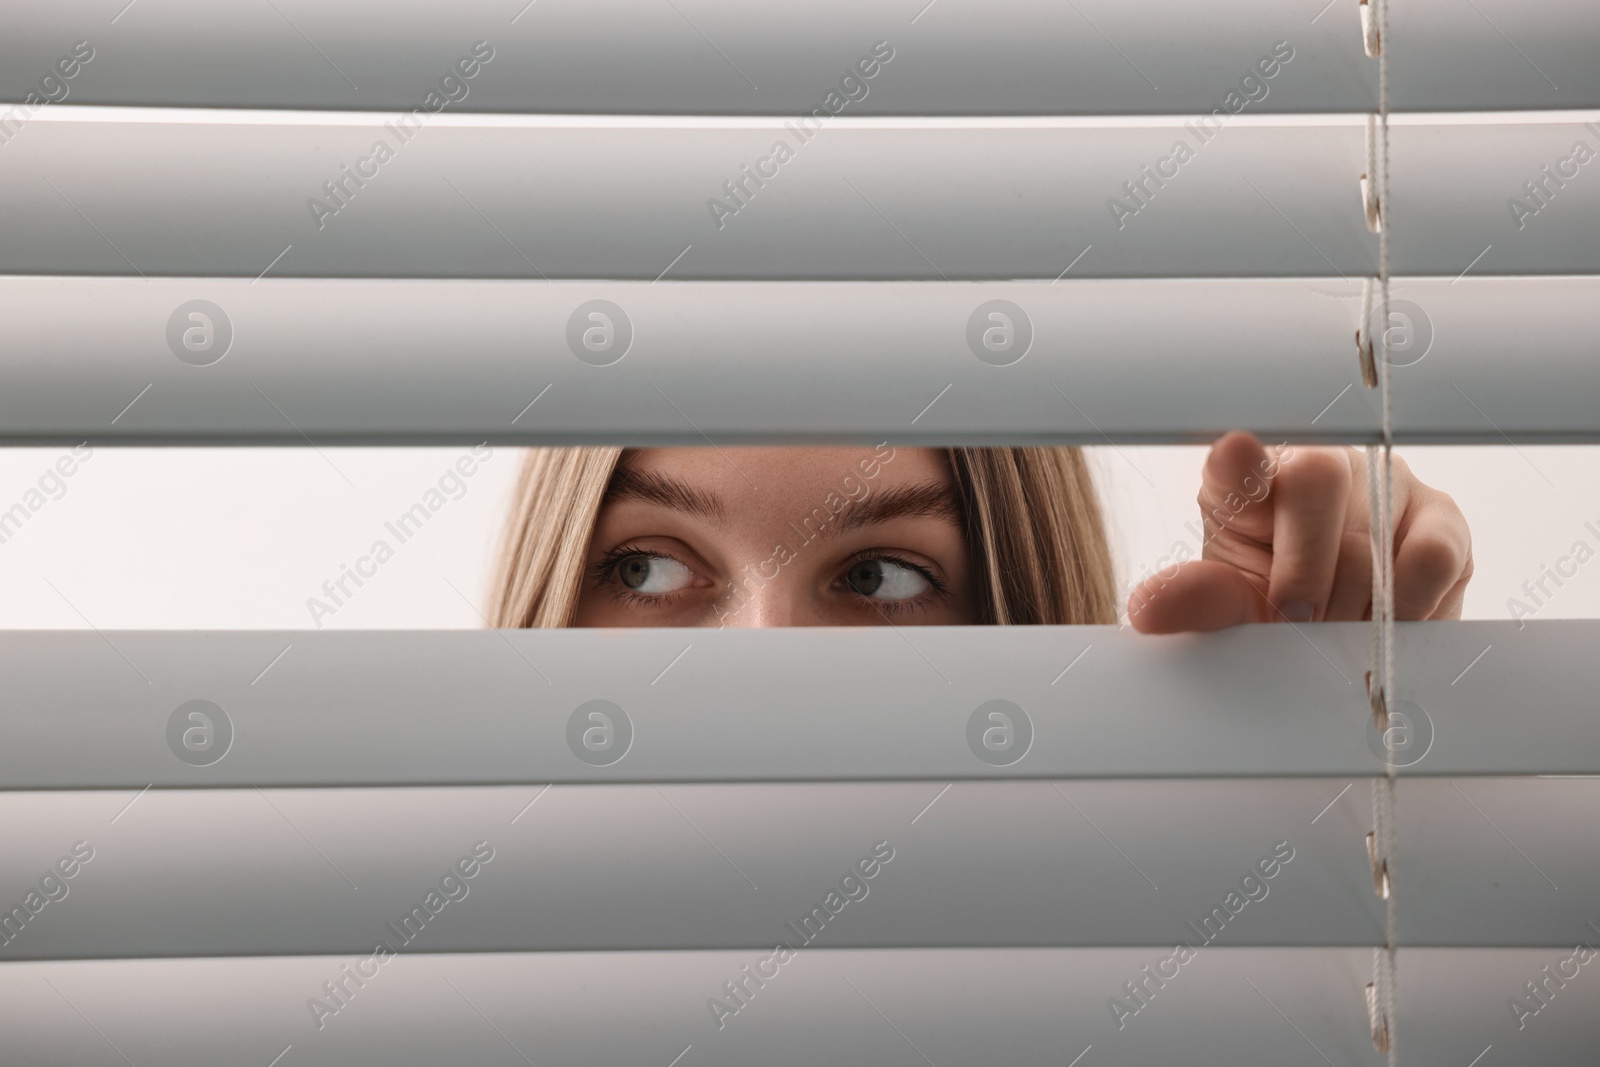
(196, 538)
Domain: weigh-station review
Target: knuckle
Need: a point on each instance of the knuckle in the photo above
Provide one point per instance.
(1435, 558)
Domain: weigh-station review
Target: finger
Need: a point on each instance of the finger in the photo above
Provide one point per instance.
(1351, 598)
(1433, 553)
(1309, 498)
(1234, 486)
(1200, 595)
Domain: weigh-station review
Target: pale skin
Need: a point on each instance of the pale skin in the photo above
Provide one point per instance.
(1287, 541)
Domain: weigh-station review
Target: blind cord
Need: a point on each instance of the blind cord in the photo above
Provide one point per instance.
(1381, 992)
(1383, 614)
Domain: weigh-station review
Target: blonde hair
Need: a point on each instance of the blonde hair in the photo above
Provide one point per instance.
(1032, 521)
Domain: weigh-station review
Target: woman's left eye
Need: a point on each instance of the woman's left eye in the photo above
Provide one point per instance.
(884, 579)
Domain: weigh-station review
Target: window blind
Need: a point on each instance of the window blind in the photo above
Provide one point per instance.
(580, 229)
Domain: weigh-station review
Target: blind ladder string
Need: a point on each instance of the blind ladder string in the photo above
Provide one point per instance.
(1383, 615)
(1381, 993)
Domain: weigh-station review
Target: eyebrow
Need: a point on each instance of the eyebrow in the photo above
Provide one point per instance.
(936, 500)
(664, 491)
(917, 500)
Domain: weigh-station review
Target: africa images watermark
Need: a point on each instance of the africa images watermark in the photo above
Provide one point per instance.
(1251, 89)
(1541, 190)
(1541, 991)
(852, 88)
(812, 526)
(52, 887)
(352, 178)
(52, 88)
(340, 990)
(451, 485)
(51, 486)
(1563, 570)
(1252, 489)
(852, 887)
(1252, 887)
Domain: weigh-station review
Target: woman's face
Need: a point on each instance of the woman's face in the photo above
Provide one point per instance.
(778, 537)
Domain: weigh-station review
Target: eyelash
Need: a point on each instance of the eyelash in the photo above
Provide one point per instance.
(604, 572)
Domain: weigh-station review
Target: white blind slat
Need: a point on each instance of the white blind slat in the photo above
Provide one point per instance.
(719, 57)
(625, 867)
(419, 362)
(417, 707)
(1032, 1008)
(984, 199)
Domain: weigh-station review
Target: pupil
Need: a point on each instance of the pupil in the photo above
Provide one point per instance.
(866, 577)
(635, 570)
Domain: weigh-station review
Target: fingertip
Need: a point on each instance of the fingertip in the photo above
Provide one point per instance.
(1150, 607)
(1239, 444)
(1200, 596)
(1238, 438)
(1136, 611)
(1233, 456)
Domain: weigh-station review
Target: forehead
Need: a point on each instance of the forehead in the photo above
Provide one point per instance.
(780, 472)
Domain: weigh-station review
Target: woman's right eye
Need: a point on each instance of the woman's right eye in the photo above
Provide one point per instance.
(651, 575)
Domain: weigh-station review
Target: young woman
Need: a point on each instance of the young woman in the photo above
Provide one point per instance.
(863, 536)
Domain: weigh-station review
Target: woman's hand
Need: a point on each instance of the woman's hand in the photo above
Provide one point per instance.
(1286, 540)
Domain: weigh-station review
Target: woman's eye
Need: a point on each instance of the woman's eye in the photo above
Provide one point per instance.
(883, 579)
(652, 575)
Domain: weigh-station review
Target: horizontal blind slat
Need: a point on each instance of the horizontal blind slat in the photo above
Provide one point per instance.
(859, 200)
(436, 362)
(627, 867)
(718, 57)
(417, 707)
(1027, 1008)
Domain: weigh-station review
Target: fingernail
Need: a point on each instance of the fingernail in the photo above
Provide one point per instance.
(1298, 610)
